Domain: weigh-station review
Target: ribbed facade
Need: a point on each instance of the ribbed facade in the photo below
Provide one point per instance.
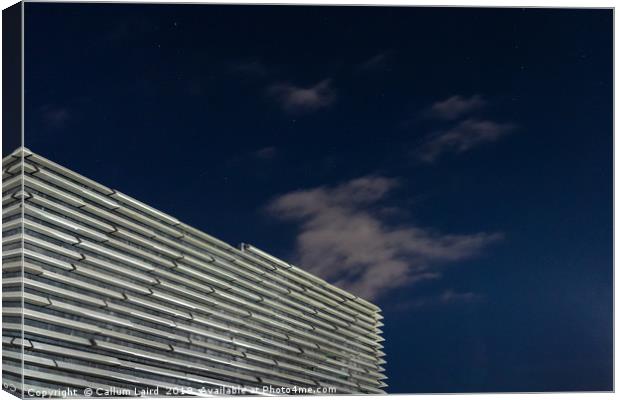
(117, 297)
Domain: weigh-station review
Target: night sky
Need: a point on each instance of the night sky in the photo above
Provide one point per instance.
(453, 165)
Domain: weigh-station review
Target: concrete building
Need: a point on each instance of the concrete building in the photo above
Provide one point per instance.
(103, 293)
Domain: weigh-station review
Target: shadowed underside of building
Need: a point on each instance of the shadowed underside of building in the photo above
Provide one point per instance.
(103, 292)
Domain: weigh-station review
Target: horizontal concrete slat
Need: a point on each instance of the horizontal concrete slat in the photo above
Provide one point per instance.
(167, 274)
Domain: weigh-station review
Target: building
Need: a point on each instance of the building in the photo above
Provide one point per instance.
(118, 298)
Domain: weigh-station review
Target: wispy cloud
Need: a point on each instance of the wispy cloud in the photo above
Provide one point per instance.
(464, 136)
(253, 67)
(55, 116)
(296, 99)
(373, 63)
(266, 153)
(455, 107)
(343, 239)
(253, 160)
(451, 296)
(448, 296)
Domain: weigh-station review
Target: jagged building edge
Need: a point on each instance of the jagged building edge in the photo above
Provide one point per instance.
(119, 296)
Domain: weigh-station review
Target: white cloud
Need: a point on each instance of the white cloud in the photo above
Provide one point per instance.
(378, 61)
(266, 153)
(297, 99)
(456, 106)
(254, 67)
(55, 117)
(448, 296)
(464, 136)
(451, 296)
(344, 241)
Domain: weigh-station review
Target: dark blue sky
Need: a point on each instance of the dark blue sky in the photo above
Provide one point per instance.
(465, 153)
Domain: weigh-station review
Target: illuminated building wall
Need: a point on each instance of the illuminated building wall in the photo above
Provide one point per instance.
(117, 296)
